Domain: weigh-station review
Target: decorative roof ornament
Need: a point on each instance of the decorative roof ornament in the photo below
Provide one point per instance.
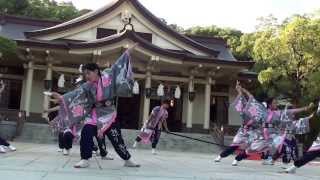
(126, 16)
(126, 27)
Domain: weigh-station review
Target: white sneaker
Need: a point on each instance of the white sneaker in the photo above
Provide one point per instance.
(218, 159)
(107, 158)
(285, 166)
(12, 148)
(235, 163)
(290, 170)
(66, 152)
(267, 162)
(94, 152)
(2, 149)
(135, 144)
(82, 164)
(129, 163)
(59, 150)
(153, 151)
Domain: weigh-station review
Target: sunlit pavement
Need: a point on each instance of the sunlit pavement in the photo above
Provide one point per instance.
(35, 162)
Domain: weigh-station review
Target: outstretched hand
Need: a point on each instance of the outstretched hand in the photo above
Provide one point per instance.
(311, 105)
(56, 95)
(238, 87)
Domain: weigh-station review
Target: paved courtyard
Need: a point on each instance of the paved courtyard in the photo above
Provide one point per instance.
(35, 162)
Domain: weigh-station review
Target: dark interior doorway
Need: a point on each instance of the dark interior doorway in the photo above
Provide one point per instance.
(128, 111)
(219, 110)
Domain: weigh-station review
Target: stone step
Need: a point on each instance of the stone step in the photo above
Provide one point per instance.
(41, 133)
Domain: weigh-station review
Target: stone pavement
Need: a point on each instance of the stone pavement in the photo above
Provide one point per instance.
(42, 162)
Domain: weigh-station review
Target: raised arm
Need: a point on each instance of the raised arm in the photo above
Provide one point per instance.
(246, 92)
(302, 109)
(56, 108)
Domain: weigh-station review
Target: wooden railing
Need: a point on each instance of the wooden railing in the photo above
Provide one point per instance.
(219, 131)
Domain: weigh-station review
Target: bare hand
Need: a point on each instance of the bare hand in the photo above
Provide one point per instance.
(238, 87)
(100, 134)
(311, 105)
(56, 95)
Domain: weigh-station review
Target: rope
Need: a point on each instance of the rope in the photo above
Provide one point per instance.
(200, 140)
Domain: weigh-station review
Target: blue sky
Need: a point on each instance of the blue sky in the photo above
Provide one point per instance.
(239, 14)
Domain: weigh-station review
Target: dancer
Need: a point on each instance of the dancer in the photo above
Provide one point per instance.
(65, 134)
(288, 147)
(267, 139)
(4, 145)
(93, 102)
(68, 132)
(151, 131)
(246, 132)
(312, 153)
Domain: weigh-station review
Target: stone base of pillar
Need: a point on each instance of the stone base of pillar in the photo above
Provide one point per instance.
(196, 128)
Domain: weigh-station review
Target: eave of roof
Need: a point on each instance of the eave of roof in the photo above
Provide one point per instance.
(136, 38)
(107, 9)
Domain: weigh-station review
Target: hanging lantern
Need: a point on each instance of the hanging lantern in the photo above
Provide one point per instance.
(61, 81)
(177, 93)
(160, 90)
(79, 79)
(80, 68)
(135, 88)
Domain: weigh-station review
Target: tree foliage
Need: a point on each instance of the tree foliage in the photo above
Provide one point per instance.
(232, 36)
(42, 9)
(292, 56)
(7, 49)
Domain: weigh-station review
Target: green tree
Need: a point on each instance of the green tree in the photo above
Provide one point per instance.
(7, 49)
(42, 9)
(232, 36)
(16, 7)
(291, 53)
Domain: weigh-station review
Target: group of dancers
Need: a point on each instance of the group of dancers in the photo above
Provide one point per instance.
(270, 132)
(88, 112)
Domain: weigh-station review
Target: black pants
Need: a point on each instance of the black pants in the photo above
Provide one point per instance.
(229, 150)
(307, 157)
(154, 138)
(65, 140)
(288, 152)
(101, 145)
(4, 142)
(113, 134)
(243, 155)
